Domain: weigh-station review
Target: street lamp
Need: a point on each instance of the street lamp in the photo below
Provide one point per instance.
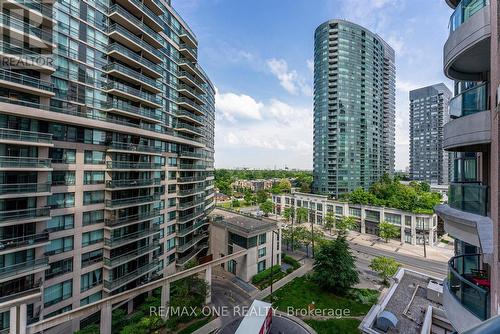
(272, 262)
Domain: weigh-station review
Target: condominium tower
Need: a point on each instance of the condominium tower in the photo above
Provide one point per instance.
(471, 291)
(428, 113)
(106, 152)
(354, 107)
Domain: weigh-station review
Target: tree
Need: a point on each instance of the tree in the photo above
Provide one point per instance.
(312, 237)
(293, 236)
(249, 198)
(302, 214)
(385, 267)
(91, 329)
(329, 222)
(388, 231)
(334, 266)
(267, 207)
(344, 225)
(261, 196)
(288, 214)
(235, 203)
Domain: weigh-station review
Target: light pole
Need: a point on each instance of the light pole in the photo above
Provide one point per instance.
(272, 261)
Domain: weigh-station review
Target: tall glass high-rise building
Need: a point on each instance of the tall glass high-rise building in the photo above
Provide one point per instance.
(354, 107)
(106, 151)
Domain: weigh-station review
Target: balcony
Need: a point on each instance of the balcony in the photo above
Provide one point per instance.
(185, 231)
(190, 105)
(138, 8)
(132, 94)
(190, 93)
(191, 129)
(40, 9)
(129, 184)
(190, 204)
(118, 260)
(128, 109)
(25, 83)
(192, 166)
(131, 58)
(24, 242)
(20, 137)
(188, 52)
(191, 80)
(191, 179)
(467, 50)
(183, 260)
(194, 71)
(133, 165)
(25, 215)
(135, 148)
(24, 163)
(190, 192)
(24, 189)
(191, 155)
(131, 201)
(122, 35)
(26, 58)
(186, 115)
(22, 288)
(469, 197)
(466, 297)
(185, 218)
(131, 219)
(19, 30)
(115, 283)
(184, 247)
(23, 269)
(187, 38)
(114, 242)
(137, 78)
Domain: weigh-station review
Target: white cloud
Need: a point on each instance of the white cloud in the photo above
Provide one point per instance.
(406, 86)
(290, 80)
(310, 65)
(232, 106)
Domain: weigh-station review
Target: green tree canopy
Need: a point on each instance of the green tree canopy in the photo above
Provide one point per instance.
(329, 221)
(385, 267)
(388, 231)
(302, 215)
(267, 207)
(261, 196)
(345, 224)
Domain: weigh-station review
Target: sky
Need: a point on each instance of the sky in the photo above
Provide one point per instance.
(259, 56)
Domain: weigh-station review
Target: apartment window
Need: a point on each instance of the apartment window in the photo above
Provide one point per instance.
(59, 223)
(170, 229)
(93, 217)
(62, 155)
(91, 257)
(261, 266)
(392, 218)
(170, 244)
(354, 212)
(262, 252)
(339, 210)
(93, 177)
(60, 245)
(61, 310)
(93, 197)
(57, 293)
(91, 279)
(61, 200)
(93, 237)
(95, 157)
(59, 268)
(63, 178)
(262, 239)
(91, 299)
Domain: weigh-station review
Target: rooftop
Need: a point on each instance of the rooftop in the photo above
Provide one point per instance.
(234, 221)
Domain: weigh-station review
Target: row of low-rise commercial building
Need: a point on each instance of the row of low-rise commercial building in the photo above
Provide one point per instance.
(106, 153)
(414, 227)
(254, 185)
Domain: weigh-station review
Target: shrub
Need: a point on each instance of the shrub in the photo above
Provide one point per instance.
(289, 270)
(291, 261)
(263, 275)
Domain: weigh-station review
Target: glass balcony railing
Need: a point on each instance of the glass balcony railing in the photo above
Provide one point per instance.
(131, 218)
(192, 78)
(139, 59)
(148, 12)
(24, 267)
(133, 74)
(115, 104)
(111, 203)
(187, 179)
(135, 147)
(25, 80)
(183, 260)
(194, 129)
(25, 214)
(39, 6)
(124, 239)
(464, 10)
(25, 136)
(192, 166)
(133, 165)
(185, 205)
(131, 91)
(469, 102)
(12, 22)
(185, 218)
(197, 118)
(132, 183)
(117, 282)
(186, 192)
(192, 51)
(25, 240)
(117, 260)
(190, 154)
(131, 18)
(469, 197)
(20, 188)
(136, 40)
(184, 231)
(22, 162)
(184, 247)
(466, 282)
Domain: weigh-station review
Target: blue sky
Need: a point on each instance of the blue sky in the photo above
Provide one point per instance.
(259, 55)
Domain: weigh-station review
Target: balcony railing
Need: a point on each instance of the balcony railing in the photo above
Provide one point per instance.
(187, 179)
(25, 214)
(132, 165)
(182, 260)
(190, 243)
(184, 231)
(133, 74)
(185, 218)
(469, 197)
(464, 274)
(184, 113)
(191, 154)
(149, 113)
(117, 260)
(24, 162)
(12, 22)
(132, 218)
(143, 44)
(121, 240)
(132, 183)
(25, 240)
(24, 267)
(139, 59)
(132, 19)
(464, 10)
(23, 188)
(115, 283)
(41, 7)
(111, 203)
(131, 91)
(134, 147)
(25, 80)
(186, 192)
(469, 102)
(195, 129)
(192, 166)
(25, 136)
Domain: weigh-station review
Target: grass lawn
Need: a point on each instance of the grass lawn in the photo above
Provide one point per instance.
(300, 292)
(335, 326)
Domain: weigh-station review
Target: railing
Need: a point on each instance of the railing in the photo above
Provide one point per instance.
(132, 218)
(184, 231)
(185, 205)
(20, 289)
(191, 179)
(191, 78)
(10, 21)
(198, 107)
(197, 118)
(132, 165)
(469, 197)
(130, 255)
(134, 147)
(190, 243)
(132, 91)
(27, 136)
(464, 10)
(146, 62)
(24, 162)
(148, 12)
(43, 8)
(131, 18)
(193, 67)
(469, 102)
(185, 192)
(473, 297)
(191, 166)
(114, 283)
(191, 154)
(114, 104)
(19, 268)
(191, 128)
(132, 183)
(186, 218)
(121, 240)
(25, 214)
(131, 73)
(18, 188)
(110, 203)
(184, 46)
(144, 45)
(25, 80)
(25, 240)
(181, 261)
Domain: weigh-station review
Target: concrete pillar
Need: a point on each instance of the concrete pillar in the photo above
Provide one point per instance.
(23, 315)
(208, 279)
(106, 315)
(13, 317)
(130, 306)
(165, 300)
(413, 230)
(362, 222)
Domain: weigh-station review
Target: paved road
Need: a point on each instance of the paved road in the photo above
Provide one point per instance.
(226, 294)
(279, 325)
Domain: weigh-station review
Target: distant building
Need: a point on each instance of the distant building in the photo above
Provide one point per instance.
(254, 185)
(231, 232)
(428, 113)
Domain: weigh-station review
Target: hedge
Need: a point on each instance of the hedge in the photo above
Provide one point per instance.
(263, 275)
(291, 261)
